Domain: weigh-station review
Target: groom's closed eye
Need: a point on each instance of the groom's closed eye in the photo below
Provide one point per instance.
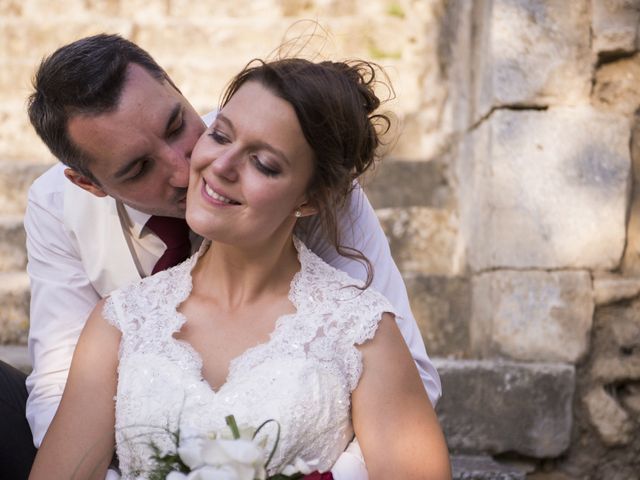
(141, 167)
(176, 123)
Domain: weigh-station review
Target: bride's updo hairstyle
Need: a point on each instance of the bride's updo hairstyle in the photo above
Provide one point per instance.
(335, 104)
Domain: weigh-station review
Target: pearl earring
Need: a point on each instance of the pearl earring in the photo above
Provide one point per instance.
(298, 213)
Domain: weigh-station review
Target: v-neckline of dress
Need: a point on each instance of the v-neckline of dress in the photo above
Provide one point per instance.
(189, 350)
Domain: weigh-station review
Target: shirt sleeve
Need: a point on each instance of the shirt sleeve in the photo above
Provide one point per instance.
(359, 227)
(61, 299)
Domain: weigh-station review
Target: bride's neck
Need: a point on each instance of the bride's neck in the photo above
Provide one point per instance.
(234, 276)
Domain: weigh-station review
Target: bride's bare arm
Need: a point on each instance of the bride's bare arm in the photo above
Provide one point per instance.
(80, 441)
(392, 417)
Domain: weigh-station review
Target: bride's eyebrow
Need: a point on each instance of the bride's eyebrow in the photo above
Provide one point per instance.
(227, 121)
(224, 119)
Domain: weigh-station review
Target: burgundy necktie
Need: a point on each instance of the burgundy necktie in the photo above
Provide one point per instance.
(318, 476)
(174, 232)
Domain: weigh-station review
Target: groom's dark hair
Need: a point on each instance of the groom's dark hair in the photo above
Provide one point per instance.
(85, 77)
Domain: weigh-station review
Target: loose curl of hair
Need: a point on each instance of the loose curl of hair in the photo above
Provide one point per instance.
(334, 103)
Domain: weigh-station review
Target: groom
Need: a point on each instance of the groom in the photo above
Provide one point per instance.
(100, 219)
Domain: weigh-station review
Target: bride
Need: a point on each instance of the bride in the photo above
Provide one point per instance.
(255, 324)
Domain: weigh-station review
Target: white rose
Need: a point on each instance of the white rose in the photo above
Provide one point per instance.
(176, 476)
(190, 451)
(300, 466)
(222, 472)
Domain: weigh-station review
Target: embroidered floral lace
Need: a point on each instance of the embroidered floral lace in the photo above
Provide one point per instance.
(302, 376)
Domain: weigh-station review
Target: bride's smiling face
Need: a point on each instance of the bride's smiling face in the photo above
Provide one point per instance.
(250, 170)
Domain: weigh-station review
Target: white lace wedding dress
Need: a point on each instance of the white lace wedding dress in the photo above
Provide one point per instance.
(302, 377)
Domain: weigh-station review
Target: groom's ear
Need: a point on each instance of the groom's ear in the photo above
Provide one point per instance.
(84, 182)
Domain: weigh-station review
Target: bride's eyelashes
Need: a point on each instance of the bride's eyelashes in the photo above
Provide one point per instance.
(222, 139)
(263, 168)
(219, 137)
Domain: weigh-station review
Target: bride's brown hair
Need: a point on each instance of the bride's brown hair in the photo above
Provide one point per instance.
(335, 104)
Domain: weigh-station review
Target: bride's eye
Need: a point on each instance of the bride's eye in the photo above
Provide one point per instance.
(263, 168)
(219, 137)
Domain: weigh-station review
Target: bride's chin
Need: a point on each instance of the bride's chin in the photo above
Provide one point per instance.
(198, 224)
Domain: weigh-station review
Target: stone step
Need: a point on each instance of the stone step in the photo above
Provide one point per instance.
(15, 180)
(494, 407)
(481, 467)
(14, 307)
(16, 355)
(423, 240)
(441, 306)
(13, 255)
(404, 183)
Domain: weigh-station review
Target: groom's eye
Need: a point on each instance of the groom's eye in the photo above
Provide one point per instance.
(177, 128)
(141, 170)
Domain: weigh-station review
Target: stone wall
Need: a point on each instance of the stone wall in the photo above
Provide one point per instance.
(510, 198)
(545, 104)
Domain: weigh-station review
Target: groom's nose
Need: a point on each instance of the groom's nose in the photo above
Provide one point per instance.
(178, 165)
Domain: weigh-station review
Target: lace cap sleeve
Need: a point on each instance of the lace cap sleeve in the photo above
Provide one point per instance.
(112, 310)
(368, 314)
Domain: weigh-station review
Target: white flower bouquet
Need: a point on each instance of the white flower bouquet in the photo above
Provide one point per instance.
(234, 455)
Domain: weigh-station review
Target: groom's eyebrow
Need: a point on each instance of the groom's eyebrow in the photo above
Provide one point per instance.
(176, 111)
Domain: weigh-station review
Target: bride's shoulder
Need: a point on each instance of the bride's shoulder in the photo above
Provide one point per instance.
(336, 287)
(159, 292)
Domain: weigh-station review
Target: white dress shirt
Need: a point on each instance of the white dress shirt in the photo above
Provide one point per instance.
(62, 294)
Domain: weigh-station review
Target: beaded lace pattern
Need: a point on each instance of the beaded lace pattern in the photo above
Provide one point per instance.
(302, 376)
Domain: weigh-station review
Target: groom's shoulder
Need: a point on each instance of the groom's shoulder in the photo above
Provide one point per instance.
(52, 181)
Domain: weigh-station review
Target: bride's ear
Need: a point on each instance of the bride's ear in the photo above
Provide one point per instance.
(305, 210)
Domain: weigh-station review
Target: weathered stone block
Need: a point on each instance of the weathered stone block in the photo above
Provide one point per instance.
(399, 183)
(442, 308)
(494, 407)
(14, 310)
(422, 239)
(477, 467)
(16, 355)
(18, 140)
(470, 467)
(616, 85)
(546, 189)
(206, 40)
(532, 52)
(615, 352)
(631, 259)
(611, 421)
(143, 10)
(615, 26)
(533, 316)
(239, 8)
(31, 39)
(13, 255)
(15, 180)
(609, 288)
(203, 83)
(15, 82)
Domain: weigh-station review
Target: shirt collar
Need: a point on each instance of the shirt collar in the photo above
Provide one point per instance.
(137, 220)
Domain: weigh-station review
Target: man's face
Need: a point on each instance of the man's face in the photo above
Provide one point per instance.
(140, 152)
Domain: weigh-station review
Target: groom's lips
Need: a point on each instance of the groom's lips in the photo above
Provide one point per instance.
(217, 197)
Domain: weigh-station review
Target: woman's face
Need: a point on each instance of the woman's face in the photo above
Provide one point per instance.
(249, 170)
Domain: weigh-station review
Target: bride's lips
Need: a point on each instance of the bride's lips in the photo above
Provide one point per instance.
(216, 197)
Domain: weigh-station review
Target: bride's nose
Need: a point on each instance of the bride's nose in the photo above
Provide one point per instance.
(226, 165)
